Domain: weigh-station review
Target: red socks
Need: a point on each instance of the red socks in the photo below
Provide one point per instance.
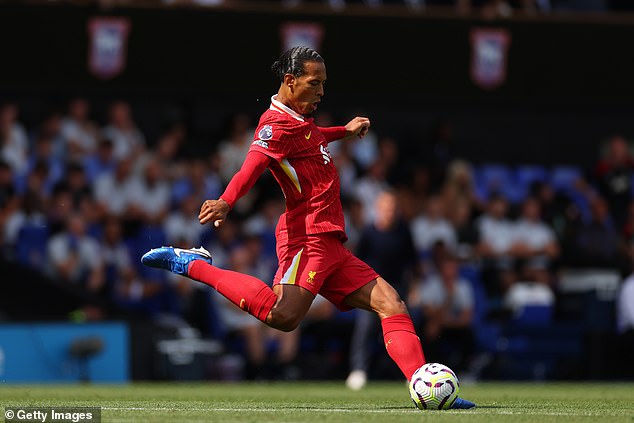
(249, 293)
(402, 343)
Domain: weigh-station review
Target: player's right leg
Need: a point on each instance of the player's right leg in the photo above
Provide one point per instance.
(281, 308)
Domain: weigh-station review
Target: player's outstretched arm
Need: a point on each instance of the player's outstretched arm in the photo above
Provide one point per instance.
(357, 127)
(216, 210)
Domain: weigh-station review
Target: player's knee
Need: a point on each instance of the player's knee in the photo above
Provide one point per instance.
(283, 320)
(394, 306)
(391, 303)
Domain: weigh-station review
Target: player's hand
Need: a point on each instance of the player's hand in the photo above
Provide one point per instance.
(358, 127)
(214, 211)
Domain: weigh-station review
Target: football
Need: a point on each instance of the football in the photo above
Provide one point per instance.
(434, 386)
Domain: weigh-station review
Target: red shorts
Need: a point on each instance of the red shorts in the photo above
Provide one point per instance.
(322, 265)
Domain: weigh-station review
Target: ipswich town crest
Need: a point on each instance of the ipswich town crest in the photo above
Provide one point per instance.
(489, 52)
(108, 46)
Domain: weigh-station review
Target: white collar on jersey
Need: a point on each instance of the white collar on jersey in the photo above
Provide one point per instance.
(276, 105)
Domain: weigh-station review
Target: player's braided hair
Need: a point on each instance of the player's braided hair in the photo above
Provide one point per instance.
(292, 61)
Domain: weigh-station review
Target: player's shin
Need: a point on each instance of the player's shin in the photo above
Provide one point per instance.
(249, 293)
(402, 343)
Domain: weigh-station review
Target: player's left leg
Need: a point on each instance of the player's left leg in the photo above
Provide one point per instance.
(247, 292)
(283, 307)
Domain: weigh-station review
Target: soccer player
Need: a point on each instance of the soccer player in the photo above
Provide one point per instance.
(310, 233)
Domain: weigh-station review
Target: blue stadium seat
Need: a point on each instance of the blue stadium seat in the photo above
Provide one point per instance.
(525, 175)
(534, 315)
(563, 178)
(498, 178)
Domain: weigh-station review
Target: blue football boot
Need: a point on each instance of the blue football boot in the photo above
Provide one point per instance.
(174, 259)
(462, 404)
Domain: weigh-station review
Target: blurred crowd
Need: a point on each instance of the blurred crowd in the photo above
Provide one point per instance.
(486, 8)
(82, 198)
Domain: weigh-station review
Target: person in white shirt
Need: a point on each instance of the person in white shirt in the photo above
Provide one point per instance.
(447, 303)
(78, 131)
(432, 226)
(495, 232)
(126, 137)
(533, 240)
(148, 195)
(625, 326)
(111, 189)
(14, 143)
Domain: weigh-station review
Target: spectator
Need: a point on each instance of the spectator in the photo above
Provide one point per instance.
(431, 227)
(14, 143)
(533, 288)
(533, 240)
(447, 302)
(348, 172)
(369, 186)
(459, 186)
(233, 149)
(181, 225)
(126, 137)
(199, 181)
(460, 217)
(111, 190)
(115, 255)
(59, 207)
(387, 246)
(9, 207)
(495, 234)
(148, 195)
(74, 256)
(353, 216)
(42, 154)
(127, 290)
(389, 153)
(613, 175)
(101, 161)
(365, 153)
(414, 194)
(167, 152)
(627, 234)
(77, 184)
(79, 132)
(51, 128)
(597, 241)
(625, 326)
(33, 207)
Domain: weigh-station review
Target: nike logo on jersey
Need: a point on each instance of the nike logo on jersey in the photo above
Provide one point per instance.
(307, 136)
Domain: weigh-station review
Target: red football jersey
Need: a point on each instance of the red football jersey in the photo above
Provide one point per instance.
(303, 167)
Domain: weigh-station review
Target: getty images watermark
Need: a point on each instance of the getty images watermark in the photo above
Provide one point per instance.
(52, 414)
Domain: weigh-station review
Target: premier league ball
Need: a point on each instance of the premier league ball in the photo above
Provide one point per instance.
(434, 386)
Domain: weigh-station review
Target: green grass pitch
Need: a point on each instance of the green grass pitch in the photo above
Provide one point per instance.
(330, 402)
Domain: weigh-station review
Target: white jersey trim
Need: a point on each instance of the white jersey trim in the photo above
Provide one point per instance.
(279, 107)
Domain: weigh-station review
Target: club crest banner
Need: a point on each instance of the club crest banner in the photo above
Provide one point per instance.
(489, 56)
(108, 46)
(301, 34)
